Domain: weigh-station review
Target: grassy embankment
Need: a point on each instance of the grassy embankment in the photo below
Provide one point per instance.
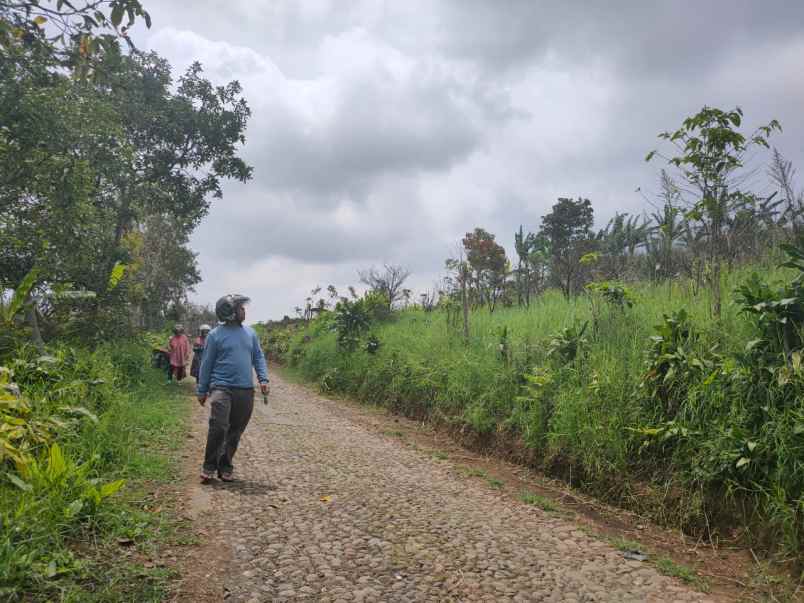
(82, 516)
(695, 435)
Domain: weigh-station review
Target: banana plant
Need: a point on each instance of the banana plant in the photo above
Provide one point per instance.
(17, 303)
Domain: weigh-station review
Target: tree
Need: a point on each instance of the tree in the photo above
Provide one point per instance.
(388, 283)
(66, 34)
(488, 266)
(568, 230)
(86, 163)
(455, 294)
(523, 244)
(710, 152)
(162, 269)
(619, 242)
(183, 142)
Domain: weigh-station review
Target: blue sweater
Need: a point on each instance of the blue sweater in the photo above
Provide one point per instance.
(229, 354)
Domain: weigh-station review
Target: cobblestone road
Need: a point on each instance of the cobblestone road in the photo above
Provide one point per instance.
(326, 510)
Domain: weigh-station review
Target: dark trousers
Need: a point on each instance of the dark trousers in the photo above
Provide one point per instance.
(179, 372)
(229, 413)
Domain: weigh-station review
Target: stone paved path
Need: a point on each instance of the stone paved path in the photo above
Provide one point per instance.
(325, 510)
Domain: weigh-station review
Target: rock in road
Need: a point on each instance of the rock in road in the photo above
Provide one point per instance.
(326, 510)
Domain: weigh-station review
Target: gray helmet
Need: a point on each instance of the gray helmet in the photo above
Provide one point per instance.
(226, 307)
(204, 327)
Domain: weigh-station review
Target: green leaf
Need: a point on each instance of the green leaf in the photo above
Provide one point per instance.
(57, 466)
(117, 15)
(590, 258)
(80, 410)
(19, 483)
(743, 462)
(116, 276)
(751, 446)
(111, 488)
(74, 508)
(21, 294)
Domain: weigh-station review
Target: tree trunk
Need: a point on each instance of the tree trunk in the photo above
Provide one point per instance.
(465, 301)
(716, 255)
(716, 303)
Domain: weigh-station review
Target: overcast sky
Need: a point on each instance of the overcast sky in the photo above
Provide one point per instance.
(384, 131)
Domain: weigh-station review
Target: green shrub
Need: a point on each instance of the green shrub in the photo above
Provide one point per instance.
(70, 432)
(683, 421)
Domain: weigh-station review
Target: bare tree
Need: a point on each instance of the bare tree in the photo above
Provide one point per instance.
(388, 282)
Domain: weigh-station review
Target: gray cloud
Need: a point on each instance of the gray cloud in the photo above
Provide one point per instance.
(672, 38)
(385, 131)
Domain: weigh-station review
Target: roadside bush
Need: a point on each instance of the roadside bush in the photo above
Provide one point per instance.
(698, 424)
(58, 460)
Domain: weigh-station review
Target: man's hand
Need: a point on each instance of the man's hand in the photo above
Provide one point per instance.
(202, 398)
(265, 389)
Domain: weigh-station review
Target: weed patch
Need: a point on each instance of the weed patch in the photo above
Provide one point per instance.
(668, 567)
(545, 504)
(473, 472)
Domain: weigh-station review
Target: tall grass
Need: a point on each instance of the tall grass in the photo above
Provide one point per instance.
(591, 419)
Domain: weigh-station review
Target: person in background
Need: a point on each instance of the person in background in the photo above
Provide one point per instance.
(179, 351)
(198, 349)
(226, 378)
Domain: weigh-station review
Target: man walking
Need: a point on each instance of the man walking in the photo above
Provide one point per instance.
(225, 378)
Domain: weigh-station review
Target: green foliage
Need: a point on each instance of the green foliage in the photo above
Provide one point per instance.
(568, 344)
(674, 361)
(535, 407)
(567, 229)
(668, 567)
(654, 418)
(615, 294)
(545, 504)
(116, 275)
(73, 438)
(66, 35)
(376, 305)
(712, 150)
(21, 293)
(20, 433)
(779, 313)
(488, 267)
(352, 320)
(104, 180)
